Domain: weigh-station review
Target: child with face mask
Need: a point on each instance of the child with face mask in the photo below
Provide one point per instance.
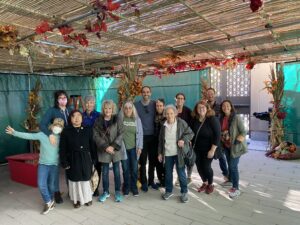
(48, 161)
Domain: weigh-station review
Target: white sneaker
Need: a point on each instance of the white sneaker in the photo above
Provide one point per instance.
(234, 193)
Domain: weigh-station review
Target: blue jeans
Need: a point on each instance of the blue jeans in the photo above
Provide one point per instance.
(105, 176)
(130, 171)
(233, 168)
(47, 180)
(223, 165)
(169, 165)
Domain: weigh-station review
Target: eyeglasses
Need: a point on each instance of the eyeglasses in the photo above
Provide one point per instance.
(146, 108)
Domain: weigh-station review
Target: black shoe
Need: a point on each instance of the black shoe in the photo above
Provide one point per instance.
(96, 193)
(89, 203)
(58, 198)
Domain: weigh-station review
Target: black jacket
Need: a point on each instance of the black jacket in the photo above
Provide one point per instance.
(77, 150)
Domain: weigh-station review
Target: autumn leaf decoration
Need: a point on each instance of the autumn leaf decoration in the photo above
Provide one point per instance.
(131, 83)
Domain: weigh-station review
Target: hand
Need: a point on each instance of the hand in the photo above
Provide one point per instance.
(110, 150)
(138, 152)
(210, 154)
(180, 143)
(52, 140)
(9, 130)
(68, 167)
(160, 158)
(240, 138)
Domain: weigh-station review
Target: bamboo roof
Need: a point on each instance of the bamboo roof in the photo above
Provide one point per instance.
(194, 29)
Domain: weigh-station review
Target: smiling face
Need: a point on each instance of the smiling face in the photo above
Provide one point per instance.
(108, 110)
(210, 95)
(90, 105)
(128, 110)
(76, 119)
(180, 100)
(170, 115)
(159, 107)
(226, 108)
(146, 94)
(201, 110)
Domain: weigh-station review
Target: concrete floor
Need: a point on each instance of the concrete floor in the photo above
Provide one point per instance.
(270, 195)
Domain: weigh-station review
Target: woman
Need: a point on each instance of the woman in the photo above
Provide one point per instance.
(132, 145)
(48, 161)
(233, 142)
(77, 156)
(207, 138)
(89, 117)
(59, 110)
(159, 120)
(108, 135)
(174, 139)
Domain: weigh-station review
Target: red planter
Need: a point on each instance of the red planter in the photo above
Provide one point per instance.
(23, 168)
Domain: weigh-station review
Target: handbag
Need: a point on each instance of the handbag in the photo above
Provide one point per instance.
(94, 179)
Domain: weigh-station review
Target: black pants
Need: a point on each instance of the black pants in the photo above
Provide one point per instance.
(99, 170)
(150, 152)
(204, 168)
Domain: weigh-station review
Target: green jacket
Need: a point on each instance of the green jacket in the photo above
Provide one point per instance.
(237, 128)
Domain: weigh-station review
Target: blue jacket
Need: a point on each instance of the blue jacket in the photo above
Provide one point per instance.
(89, 119)
(50, 115)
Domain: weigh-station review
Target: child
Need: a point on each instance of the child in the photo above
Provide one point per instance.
(48, 161)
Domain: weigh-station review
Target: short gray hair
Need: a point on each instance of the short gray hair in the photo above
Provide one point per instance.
(170, 107)
(89, 98)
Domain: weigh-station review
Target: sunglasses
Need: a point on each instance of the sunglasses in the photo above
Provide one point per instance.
(146, 108)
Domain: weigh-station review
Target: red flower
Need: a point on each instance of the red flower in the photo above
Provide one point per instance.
(112, 6)
(281, 115)
(255, 5)
(171, 70)
(114, 17)
(65, 30)
(43, 28)
(250, 65)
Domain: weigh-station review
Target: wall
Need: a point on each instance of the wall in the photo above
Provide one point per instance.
(260, 100)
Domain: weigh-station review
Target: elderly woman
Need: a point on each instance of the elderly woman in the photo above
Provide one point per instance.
(174, 139)
(132, 145)
(89, 117)
(207, 138)
(108, 135)
(233, 143)
(77, 156)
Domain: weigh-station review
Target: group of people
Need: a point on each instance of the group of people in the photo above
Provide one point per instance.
(141, 132)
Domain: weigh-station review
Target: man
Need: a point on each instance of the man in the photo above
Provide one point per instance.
(211, 100)
(184, 113)
(146, 111)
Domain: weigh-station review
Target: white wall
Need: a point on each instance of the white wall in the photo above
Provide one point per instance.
(260, 99)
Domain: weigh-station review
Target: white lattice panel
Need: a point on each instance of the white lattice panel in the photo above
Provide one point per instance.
(238, 82)
(215, 80)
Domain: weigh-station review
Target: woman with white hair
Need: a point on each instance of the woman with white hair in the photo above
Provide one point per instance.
(108, 135)
(174, 140)
(132, 146)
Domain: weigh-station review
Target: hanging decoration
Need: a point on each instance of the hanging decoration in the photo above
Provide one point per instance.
(255, 5)
(8, 36)
(130, 83)
(274, 86)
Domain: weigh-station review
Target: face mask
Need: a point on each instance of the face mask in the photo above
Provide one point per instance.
(63, 102)
(56, 130)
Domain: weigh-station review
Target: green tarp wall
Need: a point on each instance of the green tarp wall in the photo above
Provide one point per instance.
(14, 89)
(291, 101)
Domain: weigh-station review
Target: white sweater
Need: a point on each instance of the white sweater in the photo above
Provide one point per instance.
(170, 139)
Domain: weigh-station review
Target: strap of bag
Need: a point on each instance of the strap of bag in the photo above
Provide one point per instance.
(198, 132)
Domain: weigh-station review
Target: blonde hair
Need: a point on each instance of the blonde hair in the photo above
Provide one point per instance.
(130, 104)
(111, 104)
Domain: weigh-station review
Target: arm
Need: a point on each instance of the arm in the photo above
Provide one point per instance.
(100, 140)
(161, 143)
(241, 130)
(28, 136)
(139, 145)
(187, 134)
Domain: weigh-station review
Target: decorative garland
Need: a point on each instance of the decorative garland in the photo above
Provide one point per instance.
(8, 36)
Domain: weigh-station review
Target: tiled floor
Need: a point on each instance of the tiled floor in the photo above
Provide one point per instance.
(270, 195)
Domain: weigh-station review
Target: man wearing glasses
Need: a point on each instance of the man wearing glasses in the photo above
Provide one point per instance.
(146, 111)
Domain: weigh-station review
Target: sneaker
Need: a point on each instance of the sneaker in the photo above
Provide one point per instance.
(226, 184)
(202, 188)
(177, 182)
(189, 181)
(58, 198)
(209, 189)
(184, 197)
(96, 193)
(144, 187)
(118, 197)
(135, 193)
(126, 192)
(154, 186)
(48, 206)
(104, 196)
(167, 195)
(235, 193)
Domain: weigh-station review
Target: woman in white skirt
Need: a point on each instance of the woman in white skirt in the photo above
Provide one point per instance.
(77, 155)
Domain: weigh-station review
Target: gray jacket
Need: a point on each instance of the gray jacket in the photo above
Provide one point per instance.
(184, 132)
(113, 136)
(138, 139)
